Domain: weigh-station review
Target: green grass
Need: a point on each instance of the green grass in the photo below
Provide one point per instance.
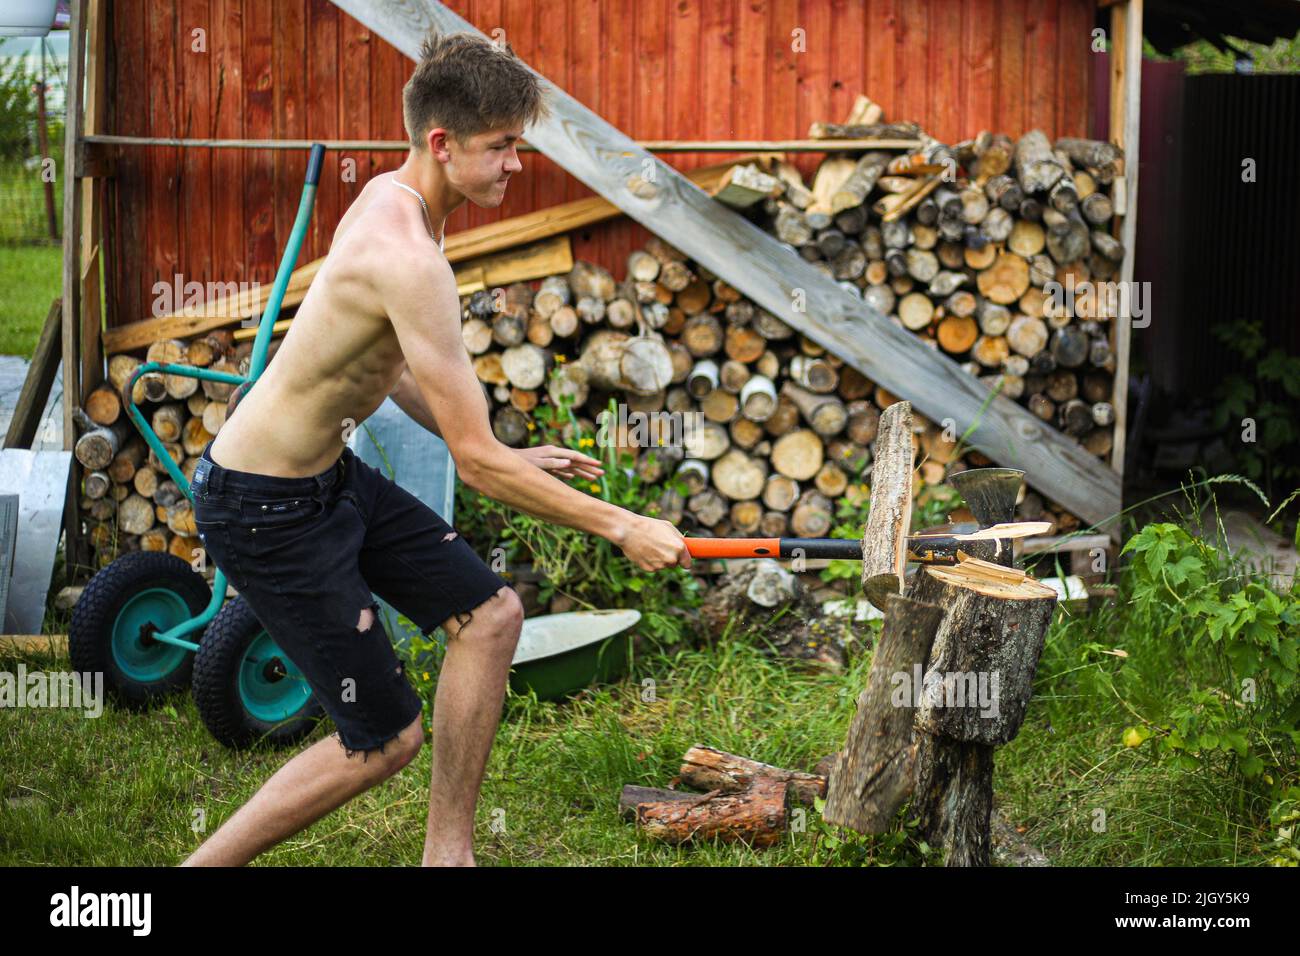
(123, 789)
(31, 278)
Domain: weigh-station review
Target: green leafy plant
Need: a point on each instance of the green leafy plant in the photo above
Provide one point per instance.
(578, 565)
(1270, 457)
(1236, 644)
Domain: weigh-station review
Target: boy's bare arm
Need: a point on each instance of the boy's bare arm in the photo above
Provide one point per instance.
(421, 302)
(406, 395)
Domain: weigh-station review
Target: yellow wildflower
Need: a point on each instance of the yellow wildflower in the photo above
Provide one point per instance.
(595, 487)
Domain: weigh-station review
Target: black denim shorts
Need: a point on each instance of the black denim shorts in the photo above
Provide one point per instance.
(306, 555)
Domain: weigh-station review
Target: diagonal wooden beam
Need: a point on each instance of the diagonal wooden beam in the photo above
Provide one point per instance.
(779, 280)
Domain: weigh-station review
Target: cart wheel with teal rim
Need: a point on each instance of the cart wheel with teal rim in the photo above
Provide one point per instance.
(141, 594)
(246, 688)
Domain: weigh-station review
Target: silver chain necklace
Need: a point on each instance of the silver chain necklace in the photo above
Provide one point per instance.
(425, 207)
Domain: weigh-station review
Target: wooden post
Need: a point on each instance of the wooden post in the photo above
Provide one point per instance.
(1125, 116)
(92, 192)
(72, 281)
(51, 221)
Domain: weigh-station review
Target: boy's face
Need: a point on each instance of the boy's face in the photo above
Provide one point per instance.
(480, 168)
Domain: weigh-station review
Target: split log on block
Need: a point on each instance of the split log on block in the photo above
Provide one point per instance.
(756, 815)
(104, 405)
(884, 543)
(798, 454)
(619, 362)
(707, 768)
(874, 773)
(97, 448)
(825, 414)
(981, 668)
(1006, 280)
(1037, 168)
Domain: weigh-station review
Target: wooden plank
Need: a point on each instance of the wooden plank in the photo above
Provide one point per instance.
(945, 68)
(1040, 66)
(92, 192)
(979, 59)
(162, 211)
(23, 645)
(1125, 119)
(881, 21)
(760, 267)
(911, 62)
(127, 203)
(323, 120)
(289, 109)
(76, 551)
(40, 379)
(260, 250)
(195, 116)
(461, 247)
(1074, 56)
(226, 118)
(353, 107)
(1009, 97)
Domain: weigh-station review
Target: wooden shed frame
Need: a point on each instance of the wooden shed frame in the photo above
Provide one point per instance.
(609, 162)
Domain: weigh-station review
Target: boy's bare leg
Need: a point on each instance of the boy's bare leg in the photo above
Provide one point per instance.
(316, 781)
(466, 711)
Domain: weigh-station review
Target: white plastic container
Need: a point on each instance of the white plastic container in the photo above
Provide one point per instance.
(26, 18)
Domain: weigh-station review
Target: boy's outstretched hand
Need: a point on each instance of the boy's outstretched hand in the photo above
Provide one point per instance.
(561, 462)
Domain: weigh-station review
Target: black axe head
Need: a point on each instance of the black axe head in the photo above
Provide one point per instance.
(990, 493)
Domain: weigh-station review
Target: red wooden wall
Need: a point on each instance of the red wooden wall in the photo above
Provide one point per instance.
(657, 69)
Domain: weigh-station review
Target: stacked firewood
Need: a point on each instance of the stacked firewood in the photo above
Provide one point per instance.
(128, 498)
(782, 430)
(957, 244)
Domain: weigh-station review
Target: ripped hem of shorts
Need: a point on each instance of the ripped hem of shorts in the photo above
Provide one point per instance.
(365, 752)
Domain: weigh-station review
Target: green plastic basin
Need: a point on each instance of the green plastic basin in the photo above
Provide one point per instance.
(560, 654)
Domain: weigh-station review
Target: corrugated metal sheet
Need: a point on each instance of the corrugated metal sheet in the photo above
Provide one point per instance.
(658, 69)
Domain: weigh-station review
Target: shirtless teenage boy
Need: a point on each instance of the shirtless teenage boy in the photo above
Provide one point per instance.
(305, 531)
